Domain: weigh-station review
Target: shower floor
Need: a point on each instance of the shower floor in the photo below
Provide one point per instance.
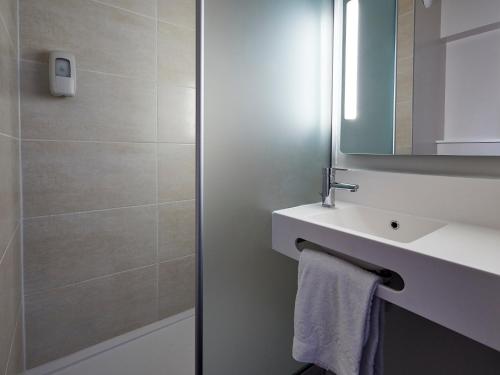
(162, 348)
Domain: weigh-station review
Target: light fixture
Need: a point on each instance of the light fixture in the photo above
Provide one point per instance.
(351, 61)
(427, 3)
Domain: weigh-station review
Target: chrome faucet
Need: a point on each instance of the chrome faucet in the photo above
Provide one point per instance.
(330, 185)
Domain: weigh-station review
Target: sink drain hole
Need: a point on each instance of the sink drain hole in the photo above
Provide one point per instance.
(395, 224)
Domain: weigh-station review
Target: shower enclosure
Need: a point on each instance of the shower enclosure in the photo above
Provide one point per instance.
(108, 179)
(100, 193)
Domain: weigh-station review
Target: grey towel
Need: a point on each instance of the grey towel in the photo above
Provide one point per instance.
(337, 318)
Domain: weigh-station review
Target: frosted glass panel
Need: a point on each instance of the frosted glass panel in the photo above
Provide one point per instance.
(266, 89)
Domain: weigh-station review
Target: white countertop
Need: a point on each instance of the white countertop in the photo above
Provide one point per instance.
(468, 245)
(451, 275)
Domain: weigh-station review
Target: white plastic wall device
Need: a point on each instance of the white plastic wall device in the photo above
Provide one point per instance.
(427, 3)
(62, 73)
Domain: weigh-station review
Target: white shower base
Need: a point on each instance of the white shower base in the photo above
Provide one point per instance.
(162, 348)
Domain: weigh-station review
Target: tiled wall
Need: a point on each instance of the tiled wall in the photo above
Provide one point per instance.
(11, 342)
(108, 175)
(404, 85)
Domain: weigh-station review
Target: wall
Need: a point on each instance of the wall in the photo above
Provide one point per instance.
(108, 175)
(416, 346)
(472, 87)
(462, 15)
(11, 342)
(429, 79)
(404, 77)
(472, 59)
(263, 146)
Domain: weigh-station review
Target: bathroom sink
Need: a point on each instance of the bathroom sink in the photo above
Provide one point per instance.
(390, 225)
(450, 270)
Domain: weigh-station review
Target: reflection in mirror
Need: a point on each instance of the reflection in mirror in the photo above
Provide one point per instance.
(445, 99)
(368, 76)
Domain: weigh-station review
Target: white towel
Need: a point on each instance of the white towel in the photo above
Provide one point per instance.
(338, 321)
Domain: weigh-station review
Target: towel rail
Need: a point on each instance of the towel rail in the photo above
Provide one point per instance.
(390, 278)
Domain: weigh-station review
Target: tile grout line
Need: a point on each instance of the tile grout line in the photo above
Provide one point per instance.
(21, 187)
(178, 258)
(160, 203)
(82, 282)
(12, 42)
(89, 211)
(102, 142)
(13, 337)
(155, 17)
(11, 240)
(116, 75)
(123, 76)
(9, 136)
(103, 3)
(107, 276)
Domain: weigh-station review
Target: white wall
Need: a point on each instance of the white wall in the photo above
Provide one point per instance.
(462, 15)
(429, 79)
(472, 76)
(472, 109)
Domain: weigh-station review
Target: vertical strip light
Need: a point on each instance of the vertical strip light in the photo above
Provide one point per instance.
(351, 61)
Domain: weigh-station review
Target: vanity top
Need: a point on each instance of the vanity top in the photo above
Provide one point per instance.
(450, 270)
(468, 245)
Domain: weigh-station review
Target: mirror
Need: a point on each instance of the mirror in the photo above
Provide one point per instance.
(420, 77)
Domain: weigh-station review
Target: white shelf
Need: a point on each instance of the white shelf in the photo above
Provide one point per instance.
(471, 32)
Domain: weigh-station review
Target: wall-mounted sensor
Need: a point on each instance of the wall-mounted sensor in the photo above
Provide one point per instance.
(62, 73)
(427, 3)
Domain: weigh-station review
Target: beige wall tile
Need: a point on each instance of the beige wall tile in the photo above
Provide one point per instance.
(61, 177)
(62, 321)
(178, 12)
(404, 83)
(65, 249)
(145, 7)
(16, 359)
(105, 108)
(404, 112)
(103, 38)
(176, 178)
(176, 113)
(405, 36)
(176, 55)
(10, 297)
(10, 245)
(9, 189)
(405, 6)
(8, 16)
(71, 304)
(403, 128)
(9, 107)
(176, 230)
(177, 286)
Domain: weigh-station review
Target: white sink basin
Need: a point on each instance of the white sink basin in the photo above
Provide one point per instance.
(451, 271)
(386, 224)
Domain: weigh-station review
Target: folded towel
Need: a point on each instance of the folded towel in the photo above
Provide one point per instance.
(337, 318)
